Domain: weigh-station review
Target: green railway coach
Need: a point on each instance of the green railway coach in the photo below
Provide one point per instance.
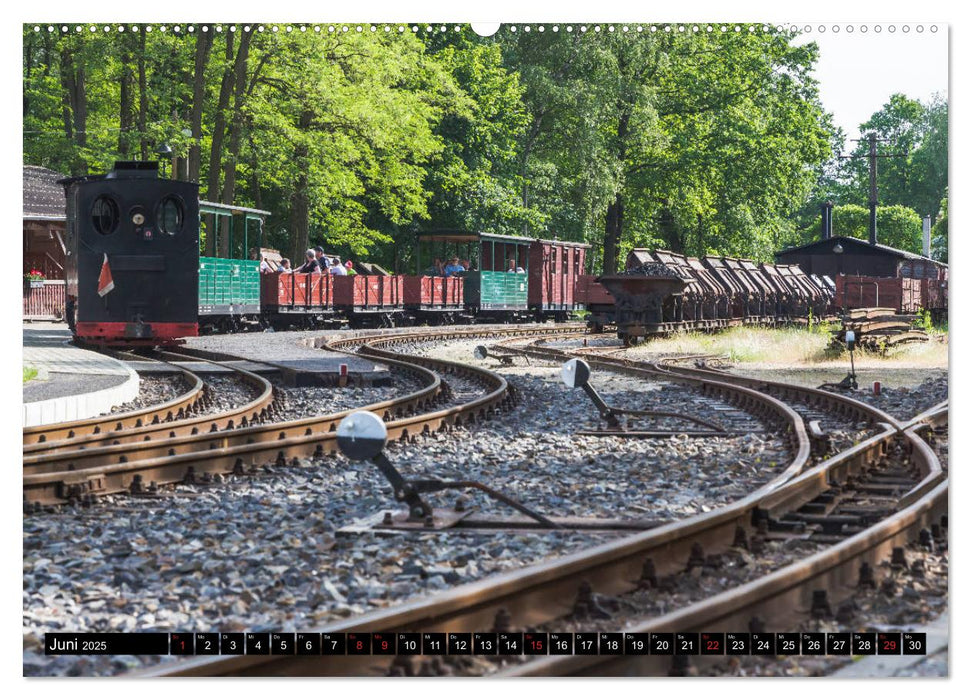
(229, 271)
(496, 269)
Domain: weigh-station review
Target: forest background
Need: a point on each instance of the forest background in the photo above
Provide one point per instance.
(357, 137)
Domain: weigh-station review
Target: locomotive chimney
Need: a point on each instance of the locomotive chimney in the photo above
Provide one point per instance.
(133, 169)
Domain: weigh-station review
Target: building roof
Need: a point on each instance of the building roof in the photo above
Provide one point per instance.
(860, 243)
(457, 236)
(43, 197)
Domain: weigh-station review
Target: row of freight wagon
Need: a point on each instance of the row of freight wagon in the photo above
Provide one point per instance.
(662, 291)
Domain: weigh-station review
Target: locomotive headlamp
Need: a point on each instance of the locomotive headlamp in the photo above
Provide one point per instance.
(138, 219)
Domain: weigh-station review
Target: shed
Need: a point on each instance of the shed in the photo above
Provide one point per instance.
(844, 255)
(45, 221)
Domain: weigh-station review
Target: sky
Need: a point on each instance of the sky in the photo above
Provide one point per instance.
(858, 71)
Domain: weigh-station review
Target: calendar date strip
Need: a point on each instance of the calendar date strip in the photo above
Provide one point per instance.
(490, 644)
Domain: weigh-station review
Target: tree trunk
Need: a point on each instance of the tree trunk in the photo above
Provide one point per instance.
(701, 238)
(614, 230)
(67, 84)
(300, 201)
(219, 123)
(669, 231)
(125, 116)
(142, 97)
(76, 107)
(203, 44)
(236, 123)
(29, 66)
(614, 225)
(255, 177)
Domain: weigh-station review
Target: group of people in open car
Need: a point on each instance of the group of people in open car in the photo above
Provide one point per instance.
(455, 267)
(316, 261)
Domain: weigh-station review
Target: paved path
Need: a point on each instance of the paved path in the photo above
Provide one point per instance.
(72, 383)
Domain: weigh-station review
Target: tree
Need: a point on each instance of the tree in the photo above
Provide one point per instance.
(203, 45)
(694, 141)
(344, 124)
(475, 183)
(917, 178)
(898, 227)
(939, 237)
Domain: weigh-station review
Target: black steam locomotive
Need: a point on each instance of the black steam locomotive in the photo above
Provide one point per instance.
(132, 256)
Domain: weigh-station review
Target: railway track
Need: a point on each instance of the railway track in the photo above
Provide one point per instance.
(812, 406)
(893, 470)
(152, 438)
(167, 456)
(71, 434)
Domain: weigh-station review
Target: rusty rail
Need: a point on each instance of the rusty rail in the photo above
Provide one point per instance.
(147, 436)
(545, 591)
(188, 459)
(208, 433)
(775, 598)
(69, 435)
(755, 402)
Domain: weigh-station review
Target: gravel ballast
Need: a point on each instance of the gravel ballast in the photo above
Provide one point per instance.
(153, 389)
(262, 553)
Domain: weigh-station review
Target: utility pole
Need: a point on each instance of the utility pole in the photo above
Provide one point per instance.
(872, 156)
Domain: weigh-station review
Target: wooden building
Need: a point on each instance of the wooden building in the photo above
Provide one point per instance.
(45, 224)
(871, 275)
(843, 255)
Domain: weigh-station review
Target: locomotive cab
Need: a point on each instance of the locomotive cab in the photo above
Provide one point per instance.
(132, 257)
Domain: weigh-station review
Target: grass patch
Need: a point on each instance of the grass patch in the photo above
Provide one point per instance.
(29, 373)
(792, 347)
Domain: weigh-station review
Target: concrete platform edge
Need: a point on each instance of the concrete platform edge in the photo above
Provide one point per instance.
(81, 406)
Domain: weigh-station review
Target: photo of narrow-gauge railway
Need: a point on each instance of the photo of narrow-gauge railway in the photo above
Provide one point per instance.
(399, 350)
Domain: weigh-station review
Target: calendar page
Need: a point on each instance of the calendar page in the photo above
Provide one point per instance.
(512, 349)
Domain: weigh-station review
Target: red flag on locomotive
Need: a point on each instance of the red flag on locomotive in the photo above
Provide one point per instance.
(105, 282)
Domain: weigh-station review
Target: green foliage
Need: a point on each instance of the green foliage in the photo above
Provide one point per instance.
(820, 327)
(939, 235)
(897, 226)
(924, 321)
(699, 142)
(29, 373)
(916, 133)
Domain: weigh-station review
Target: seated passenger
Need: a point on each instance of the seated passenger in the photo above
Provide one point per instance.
(311, 264)
(336, 268)
(453, 268)
(285, 265)
(513, 267)
(439, 269)
(350, 268)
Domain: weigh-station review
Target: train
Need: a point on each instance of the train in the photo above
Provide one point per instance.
(135, 275)
(661, 291)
